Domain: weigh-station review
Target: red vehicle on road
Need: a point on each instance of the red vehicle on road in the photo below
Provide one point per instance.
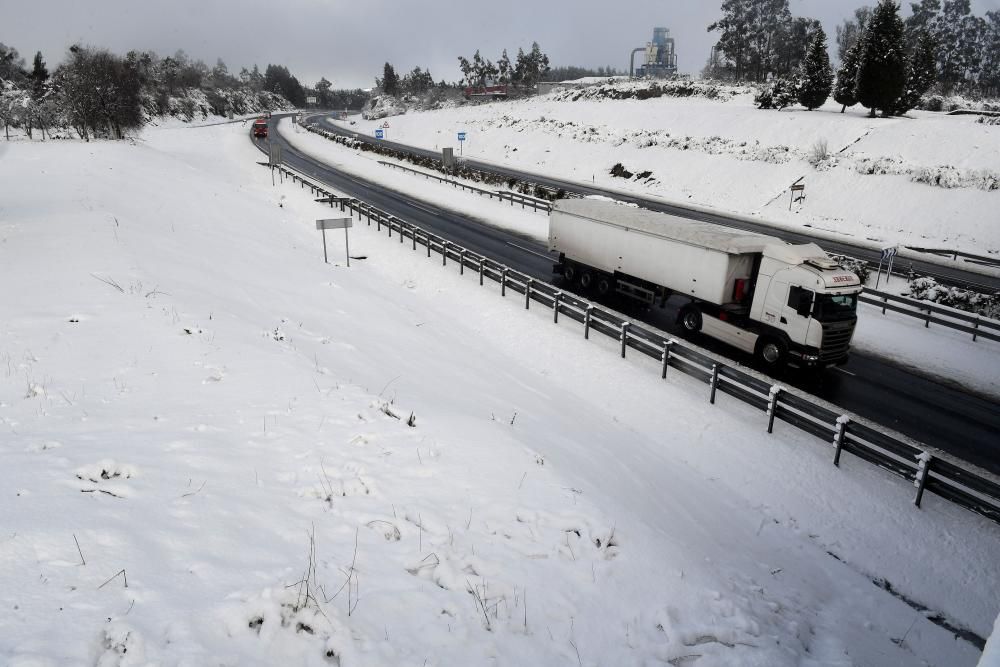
(260, 128)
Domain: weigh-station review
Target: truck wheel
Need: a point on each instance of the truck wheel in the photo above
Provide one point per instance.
(604, 285)
(771, 352)
(569, 272)
(586, 280)
(690, 319)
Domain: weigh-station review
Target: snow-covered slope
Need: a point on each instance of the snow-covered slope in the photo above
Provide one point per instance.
(926, 180)
(208, 460)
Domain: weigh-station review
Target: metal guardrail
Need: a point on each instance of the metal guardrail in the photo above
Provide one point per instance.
(955, 254)
(514, 197)
(982, 327)
(926, 471)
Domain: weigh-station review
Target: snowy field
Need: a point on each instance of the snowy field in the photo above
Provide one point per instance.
(922, 180)
(938, 353)
(209, 462)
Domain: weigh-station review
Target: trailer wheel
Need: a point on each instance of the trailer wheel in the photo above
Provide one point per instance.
(771, 352)
(604, 285)
(690, 319)
(586, 279)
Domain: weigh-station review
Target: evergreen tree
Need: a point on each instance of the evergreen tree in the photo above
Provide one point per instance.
(921, 72)
(11, 64)
(957, 34)
(816, 75)
(39, 76)
(390, 80)
(844, 92)
(882, 63)
(989, 76)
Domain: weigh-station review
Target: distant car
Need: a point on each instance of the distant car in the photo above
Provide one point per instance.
(260, 128)
(267, 114)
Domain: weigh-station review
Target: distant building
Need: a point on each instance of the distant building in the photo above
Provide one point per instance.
(661, 55)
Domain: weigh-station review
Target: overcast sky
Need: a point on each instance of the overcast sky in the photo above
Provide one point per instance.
(347, 42)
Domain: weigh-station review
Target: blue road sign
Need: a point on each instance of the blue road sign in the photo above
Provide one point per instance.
(461, 136)
(379, 134)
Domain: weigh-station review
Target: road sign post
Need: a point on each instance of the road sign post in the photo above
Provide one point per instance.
(888, 255)
(461, 143)
(379, 133)
(336, 223)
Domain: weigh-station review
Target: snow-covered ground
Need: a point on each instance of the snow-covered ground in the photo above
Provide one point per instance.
(923, 180)
(205, 465)
(937, 352)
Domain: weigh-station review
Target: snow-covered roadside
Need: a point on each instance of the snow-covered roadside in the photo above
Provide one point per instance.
(366, 165)
(937, 353)
(733, 157)
(946, 355)
(238, 387)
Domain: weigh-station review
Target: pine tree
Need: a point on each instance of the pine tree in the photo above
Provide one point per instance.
(39, 76)
(390, 80)
(816, 75)
(882, 64)
(921, 72)
(845, 91)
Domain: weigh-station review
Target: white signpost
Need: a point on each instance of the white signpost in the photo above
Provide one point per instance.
(336, 223)
(461, 142)
(310, 100)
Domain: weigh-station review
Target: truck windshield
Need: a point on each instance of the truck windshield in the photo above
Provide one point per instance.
(831, 307)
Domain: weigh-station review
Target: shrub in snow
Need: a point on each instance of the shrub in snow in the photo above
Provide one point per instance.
(819, 153)
(928, 289)
(856, 266)
(988, 120)
(777, 94)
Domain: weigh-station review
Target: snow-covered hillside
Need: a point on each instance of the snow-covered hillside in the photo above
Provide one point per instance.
(210, 458)
(928, 180)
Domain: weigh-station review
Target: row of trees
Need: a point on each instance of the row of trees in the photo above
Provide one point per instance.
(99, 93)
(885, 67)
(524, 72)
(759, 40)
(571, 73)
(416, 82)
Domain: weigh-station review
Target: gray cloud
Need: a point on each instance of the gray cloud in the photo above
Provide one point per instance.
(347, 42)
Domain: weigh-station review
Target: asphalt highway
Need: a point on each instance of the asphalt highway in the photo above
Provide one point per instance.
(965, 425)
(952, 275)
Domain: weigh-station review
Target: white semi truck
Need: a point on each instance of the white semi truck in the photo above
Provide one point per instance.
(786, 304)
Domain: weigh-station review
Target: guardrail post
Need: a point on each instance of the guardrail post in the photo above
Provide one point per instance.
(772, 406)
(444, 253)
(527, 293)
(461, 263)
(555, 307)
(885, 300)
(923, 468)
(388, 223)
(378, 222)
(586, 322)
(975, 325)
(927, 320)
(427, 238)
(838, 438)
(624, 337)
(665, 358)
(481, 271)
(401, 232)
(713, 383)
(503, 282)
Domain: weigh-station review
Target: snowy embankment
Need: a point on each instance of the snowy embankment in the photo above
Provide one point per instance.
(209, 462)
(938, 353)
(929, 180)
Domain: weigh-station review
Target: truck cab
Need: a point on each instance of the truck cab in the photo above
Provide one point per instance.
(260, 128)
(807, 304)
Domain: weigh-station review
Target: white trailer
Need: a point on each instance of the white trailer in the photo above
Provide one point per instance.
(783, 303)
